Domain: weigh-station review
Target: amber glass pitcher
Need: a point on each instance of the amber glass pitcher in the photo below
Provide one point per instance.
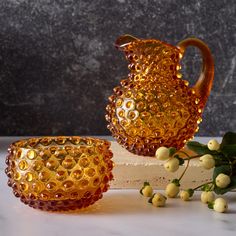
(154, 106)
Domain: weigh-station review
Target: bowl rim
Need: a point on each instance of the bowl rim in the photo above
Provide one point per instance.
(32, 143)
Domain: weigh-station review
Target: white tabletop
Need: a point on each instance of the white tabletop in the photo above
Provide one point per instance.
(119, 212)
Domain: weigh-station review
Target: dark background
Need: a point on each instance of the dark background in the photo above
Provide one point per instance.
(58, 64)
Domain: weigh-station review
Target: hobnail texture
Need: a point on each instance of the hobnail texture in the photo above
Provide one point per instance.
(154, 107)
(59, 173)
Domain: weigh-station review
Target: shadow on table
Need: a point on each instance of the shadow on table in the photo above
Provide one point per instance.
(131, 202)
(128, 202)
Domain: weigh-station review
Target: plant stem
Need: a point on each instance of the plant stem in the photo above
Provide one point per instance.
(184, 170)
(202, 185)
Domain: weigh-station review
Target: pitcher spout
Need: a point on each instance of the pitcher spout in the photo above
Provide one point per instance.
(124, 40)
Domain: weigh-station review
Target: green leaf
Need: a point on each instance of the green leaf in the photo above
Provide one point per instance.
(225, 169)
(228, 139)
(221, 159)
(229, 149)
(232, 186)
(172, 151)
(199, 148)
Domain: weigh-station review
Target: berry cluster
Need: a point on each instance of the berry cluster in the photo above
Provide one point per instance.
(157, 199)
(221, 157)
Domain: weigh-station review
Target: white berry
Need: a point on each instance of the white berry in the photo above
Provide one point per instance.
(184, 195)
(207, 197)
(207, 161)
(172, 165)
(213, 145)
(162, 153)
(159, 200)
(147, 191)
(220, 205)
(172, 190)
(222, 180)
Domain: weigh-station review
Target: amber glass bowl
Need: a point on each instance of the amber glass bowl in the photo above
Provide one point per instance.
(59, 173)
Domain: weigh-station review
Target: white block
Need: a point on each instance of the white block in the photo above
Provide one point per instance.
(130, 171)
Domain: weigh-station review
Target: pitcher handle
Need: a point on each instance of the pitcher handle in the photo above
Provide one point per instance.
(204, 83)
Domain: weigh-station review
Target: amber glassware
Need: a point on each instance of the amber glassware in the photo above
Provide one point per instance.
(154, 106)
(59, 173)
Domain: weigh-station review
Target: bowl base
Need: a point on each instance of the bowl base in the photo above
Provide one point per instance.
(61, 205)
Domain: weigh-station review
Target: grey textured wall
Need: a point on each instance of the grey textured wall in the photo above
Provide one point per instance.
(58, 64)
